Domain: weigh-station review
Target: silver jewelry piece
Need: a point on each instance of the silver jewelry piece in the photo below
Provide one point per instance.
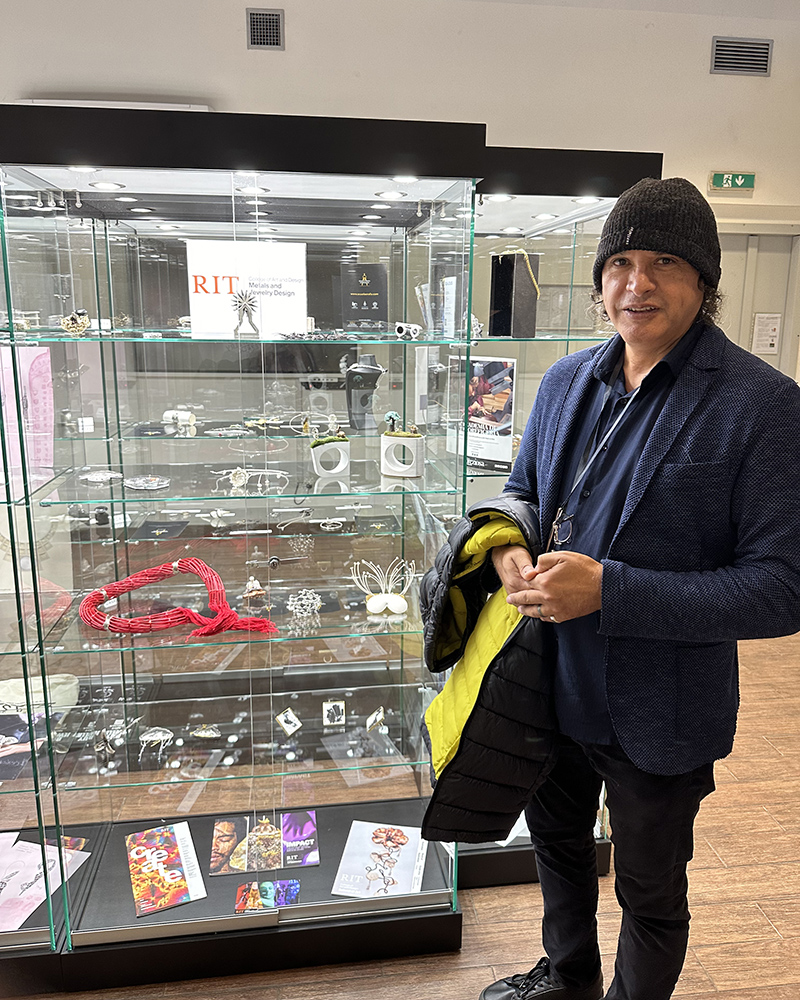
(206, 731)
(304, 603)
(539, 610)
(146, 482)
(100, 477)
(331, 524)
(157, 736)
(552, 619)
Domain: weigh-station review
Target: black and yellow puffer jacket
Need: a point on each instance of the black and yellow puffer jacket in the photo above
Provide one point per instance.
(491, 730)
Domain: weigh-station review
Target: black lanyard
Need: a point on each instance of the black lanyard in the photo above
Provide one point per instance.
(587, 459)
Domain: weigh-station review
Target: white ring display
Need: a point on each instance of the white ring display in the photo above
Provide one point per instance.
(395, 449)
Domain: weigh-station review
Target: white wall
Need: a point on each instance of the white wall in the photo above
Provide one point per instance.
(537, 75)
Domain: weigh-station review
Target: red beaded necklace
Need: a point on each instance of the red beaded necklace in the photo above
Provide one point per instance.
(225, 618)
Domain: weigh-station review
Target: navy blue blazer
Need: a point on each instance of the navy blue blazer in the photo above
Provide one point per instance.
(708, 546)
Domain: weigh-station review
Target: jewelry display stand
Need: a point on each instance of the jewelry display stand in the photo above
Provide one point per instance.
(331, 459)
(402, 456)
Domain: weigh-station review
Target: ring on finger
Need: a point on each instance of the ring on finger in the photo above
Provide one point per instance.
(553, 619)
(539, 610)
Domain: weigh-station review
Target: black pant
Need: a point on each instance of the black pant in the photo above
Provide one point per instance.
(652, 817)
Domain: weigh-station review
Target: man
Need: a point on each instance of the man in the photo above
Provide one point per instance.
(228, 832)
(664, 465)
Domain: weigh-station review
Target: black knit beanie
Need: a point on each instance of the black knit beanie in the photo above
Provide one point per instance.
(669, 216)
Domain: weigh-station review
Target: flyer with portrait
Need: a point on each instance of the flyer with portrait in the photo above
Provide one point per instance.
(490, 414)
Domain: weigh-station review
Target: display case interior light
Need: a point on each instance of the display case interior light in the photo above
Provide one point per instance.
(380, 206)
(142, 210)
(391, 195)
(106, 185)
(126, 198)
(371, 217)
(251, 189)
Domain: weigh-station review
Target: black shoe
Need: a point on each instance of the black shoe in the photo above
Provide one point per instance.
(541, 982)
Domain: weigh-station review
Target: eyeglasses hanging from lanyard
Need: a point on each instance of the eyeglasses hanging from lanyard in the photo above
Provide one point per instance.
(561, 528)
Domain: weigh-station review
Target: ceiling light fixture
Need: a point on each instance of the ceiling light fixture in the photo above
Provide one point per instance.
(545, 215)
(141, 209)
(106, 185)
(407, 179)
(380, 206)
(83, 170)
(125, 197)
(586, 200)
(251, 189)
(371, 216)
(499, 197)
(391, 195)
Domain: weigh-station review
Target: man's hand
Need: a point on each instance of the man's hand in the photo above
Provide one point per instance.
(562, 585)
(515, 568)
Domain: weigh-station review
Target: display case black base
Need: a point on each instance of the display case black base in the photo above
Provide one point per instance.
(259, 950)
(482, 865)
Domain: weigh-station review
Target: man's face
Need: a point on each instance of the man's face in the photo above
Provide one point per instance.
(651, 298)
(222, 845)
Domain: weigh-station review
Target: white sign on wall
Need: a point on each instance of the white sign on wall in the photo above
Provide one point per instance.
(766, 332)
(247, 289)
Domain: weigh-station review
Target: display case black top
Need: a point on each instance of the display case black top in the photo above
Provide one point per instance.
(131, 137)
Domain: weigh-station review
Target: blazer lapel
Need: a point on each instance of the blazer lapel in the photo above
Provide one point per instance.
(689, 389)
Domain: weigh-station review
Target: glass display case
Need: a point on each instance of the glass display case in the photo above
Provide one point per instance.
(234, 442)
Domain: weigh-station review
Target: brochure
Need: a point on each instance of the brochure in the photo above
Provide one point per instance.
(163, 868)
(380, 860)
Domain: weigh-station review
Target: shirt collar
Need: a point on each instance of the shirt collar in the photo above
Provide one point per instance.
(674, 361)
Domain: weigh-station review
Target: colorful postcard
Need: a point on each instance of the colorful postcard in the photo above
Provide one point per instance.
(163, 868)
(253, 896)
(380, 860)
(299, 838)
(239, 845)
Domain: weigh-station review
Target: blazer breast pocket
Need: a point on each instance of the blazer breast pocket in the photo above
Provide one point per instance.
(695, 498)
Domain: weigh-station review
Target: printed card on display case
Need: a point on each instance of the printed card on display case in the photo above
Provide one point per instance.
(238, 845)
(22, 877)
(252, 289)
(163, 868)
(380, 861)
(490, 414)
(252, 896)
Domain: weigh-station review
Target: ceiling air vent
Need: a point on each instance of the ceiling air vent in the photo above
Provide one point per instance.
(741, 56)
(265, 28)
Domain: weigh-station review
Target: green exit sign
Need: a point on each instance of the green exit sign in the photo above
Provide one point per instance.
(732, 182)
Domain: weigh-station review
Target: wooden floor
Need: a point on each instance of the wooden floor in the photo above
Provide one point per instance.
(745, 887)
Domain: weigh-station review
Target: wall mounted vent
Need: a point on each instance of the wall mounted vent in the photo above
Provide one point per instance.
(265, 28)
(741, 56)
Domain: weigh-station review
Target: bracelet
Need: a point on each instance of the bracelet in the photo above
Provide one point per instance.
(225, 618)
